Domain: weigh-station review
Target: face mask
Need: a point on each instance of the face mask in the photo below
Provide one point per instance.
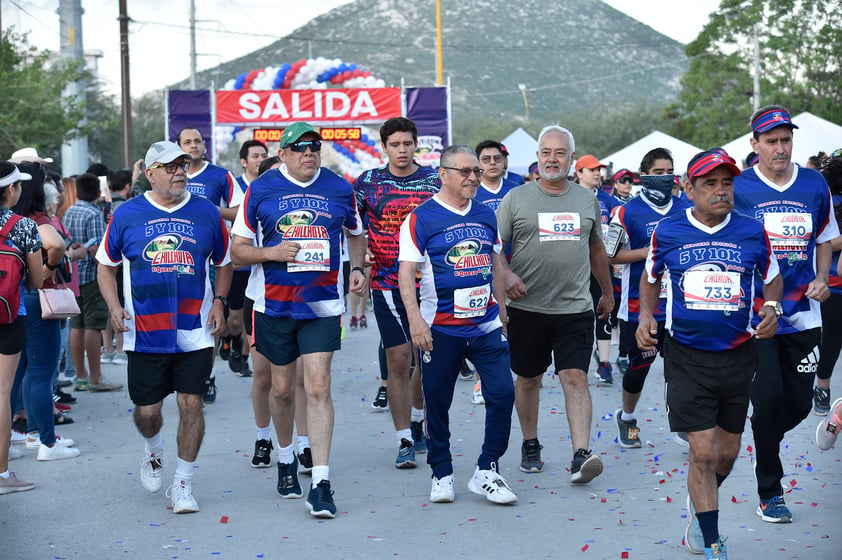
(657, 188)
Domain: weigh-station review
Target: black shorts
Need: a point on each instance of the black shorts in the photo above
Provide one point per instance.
(282, 340)
(237, 292)
(708, 389)
(390, 313)
(346, 276)
(151, 377)
(637, 357)
(13, 336)
(536, 339)
(248, 316)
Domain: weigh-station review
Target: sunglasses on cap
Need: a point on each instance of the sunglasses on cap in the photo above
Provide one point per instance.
(301, 147)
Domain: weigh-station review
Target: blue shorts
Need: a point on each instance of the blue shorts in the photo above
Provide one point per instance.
(391, 317)
(282, 340)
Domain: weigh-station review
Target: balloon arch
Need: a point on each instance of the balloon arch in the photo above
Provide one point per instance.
(352, 156)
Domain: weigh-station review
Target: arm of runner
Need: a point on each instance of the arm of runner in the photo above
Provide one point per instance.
(626, 256)
(647, 328)
(222, 284)
(229, 214)
(601, 270)
(244, 253)
(419, 330)
(768, 326)
(357, 245)
(817, 289)
(106, 278)
(499, 289)
(515, 288)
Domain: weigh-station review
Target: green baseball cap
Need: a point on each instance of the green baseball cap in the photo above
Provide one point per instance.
(295, 131)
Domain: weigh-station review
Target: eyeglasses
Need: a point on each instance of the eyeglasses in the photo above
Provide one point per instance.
(301, 147)
(489, 159)
(466, 171)
(628, 180)
(172, 167)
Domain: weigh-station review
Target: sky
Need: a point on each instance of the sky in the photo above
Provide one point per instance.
(232, 28)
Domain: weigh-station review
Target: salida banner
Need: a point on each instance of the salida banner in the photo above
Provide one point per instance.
(249, 107)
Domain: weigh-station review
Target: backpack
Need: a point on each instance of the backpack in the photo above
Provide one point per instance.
(11, 273)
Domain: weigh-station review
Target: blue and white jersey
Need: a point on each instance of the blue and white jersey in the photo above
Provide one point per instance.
(491, 198)
(166, 254)
(711, 277)
(638, 218)
(278, 208)
(796, 216)
(455, 252)
(607, 205)
(214, 183)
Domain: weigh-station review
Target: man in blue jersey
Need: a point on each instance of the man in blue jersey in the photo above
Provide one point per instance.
(252, 154)
(589, 175)
(452, 241)
(297, 214)
(794, 205)
(711, 256)
(165, 241)
(385, 197)
(216, 184)
(494, 186)
(636, 221)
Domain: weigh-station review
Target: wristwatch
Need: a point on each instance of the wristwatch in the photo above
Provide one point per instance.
(779, 311)
(223, 299)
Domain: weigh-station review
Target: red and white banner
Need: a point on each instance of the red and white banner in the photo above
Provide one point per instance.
(249, 107)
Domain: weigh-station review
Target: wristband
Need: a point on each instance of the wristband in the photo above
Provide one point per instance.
(51, 266)
(361, 269)
(223, 299)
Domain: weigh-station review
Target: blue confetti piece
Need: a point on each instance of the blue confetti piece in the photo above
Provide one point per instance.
(260, 555)
(216, 553)
(154, 525)
(609, 490)
(656, 458)
(809, 469)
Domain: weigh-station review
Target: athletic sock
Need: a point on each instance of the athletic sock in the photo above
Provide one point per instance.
(417, 414)
(403, 434)
(265, 432)
(184, 470)
(155, 445)
(628, 416)
(286, 455)
(303, 443)
(709, 523)
(320, 473)
(720, 479)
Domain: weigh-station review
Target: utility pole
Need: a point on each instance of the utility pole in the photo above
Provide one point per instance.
(74, 153)
(192, 44)
(756, 96)
(125, 88)
(439, 69)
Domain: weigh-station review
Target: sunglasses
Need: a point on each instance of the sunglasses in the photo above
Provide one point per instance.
(172, 167)
(466, 171)
(627, 180)
(489, 159)
(301, 147)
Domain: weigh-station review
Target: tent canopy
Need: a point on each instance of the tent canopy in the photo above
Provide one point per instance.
(630, 156)
(813, 135)
(522, 149)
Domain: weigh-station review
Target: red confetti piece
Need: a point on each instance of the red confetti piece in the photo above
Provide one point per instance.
(792, 483)
(472, 519)
(814, 504)
(603, 500)
(669, 500)
(584, 548)
(748, 448)
(733, 499)
(661, 481)
(224, 519)
(624, 554)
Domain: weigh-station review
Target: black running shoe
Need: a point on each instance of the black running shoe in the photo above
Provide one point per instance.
(821, 401)
(305, 460)
(210, 391)
(530, 456)
(320, 501)
(262, 453)
(381, 401)
(585, 467)
(224, 347)
(288, 486)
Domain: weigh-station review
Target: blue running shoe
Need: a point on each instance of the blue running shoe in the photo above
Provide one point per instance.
(288, 486)
(418, 436)
(693, 538)
(603, 373)
(320, 501)
(774, 510)
(406, 455)
(716, 551)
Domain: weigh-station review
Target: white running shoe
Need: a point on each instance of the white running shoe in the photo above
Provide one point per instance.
(17, 437)
(33, 441)
(442, 490)
(828, 430)
(477, 397)
(151, 470)
(182, 497)
(491, 485)
(56, 452)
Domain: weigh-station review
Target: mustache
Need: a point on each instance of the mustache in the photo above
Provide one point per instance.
(721, 198)
(779, 157)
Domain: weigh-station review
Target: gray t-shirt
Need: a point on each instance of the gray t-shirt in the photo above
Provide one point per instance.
(550, 236)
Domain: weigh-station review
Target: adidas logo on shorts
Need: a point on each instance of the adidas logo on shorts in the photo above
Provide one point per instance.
(810, 362)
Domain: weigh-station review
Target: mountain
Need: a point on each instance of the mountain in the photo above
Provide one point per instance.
(575, 57)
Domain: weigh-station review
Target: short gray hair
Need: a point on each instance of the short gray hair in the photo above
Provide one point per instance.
(50, 195)
(556, 128)
(450, 153)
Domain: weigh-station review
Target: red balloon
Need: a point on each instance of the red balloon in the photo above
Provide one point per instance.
(357, 73)
(287, 82)
(337, 79)
(346, 75)
(366, 74)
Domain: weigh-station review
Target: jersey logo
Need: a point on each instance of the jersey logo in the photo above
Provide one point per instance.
(467, 261)
(164, 254)
(294, 218)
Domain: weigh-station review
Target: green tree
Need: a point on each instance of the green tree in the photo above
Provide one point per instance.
(33, 111)
(801, 67)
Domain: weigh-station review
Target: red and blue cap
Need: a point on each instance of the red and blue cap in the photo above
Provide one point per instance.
(773, 118)
(707, 161)
(751, 159)
(623, 173)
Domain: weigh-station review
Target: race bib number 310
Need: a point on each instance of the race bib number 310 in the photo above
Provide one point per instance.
(559, 226)
(712, 290)
(788, 231)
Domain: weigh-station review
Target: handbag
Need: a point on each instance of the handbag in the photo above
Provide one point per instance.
(58, 303)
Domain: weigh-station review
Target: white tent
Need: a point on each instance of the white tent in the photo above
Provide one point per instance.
(522, 149)
(813, 135)
(630, 156)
